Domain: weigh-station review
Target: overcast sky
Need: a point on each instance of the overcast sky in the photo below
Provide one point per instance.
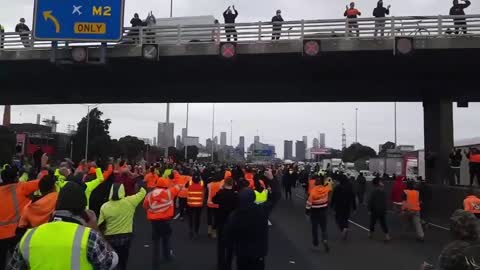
(273, 122)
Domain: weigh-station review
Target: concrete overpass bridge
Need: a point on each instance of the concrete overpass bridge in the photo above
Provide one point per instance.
(416, 59)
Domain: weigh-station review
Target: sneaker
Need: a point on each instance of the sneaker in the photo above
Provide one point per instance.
(326, 246)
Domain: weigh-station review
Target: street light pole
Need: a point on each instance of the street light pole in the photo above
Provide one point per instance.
(171, 8)
(88, 128)
(213, 130)
(395, 121)
(356, 125)
(186, 135)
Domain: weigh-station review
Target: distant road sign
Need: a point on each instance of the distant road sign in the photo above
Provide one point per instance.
(78, 20)
(262, 153)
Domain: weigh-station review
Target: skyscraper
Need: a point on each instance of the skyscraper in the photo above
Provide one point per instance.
(256, 139)
(165, 135)
(184, 134)
(300, 151)
(241, 142)
(322, 140)
(287, 150)
(223, 139)
(155, 141)
(179, 143)
(305, 141)
(315, 143)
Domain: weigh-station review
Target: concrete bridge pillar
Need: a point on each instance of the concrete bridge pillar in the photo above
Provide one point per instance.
(438, 136)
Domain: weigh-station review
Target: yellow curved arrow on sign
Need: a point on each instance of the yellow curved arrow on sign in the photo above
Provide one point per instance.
(48, 15)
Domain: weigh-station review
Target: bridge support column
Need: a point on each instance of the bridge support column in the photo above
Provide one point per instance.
(438, 136)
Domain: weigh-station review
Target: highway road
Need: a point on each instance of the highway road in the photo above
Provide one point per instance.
(290, 244)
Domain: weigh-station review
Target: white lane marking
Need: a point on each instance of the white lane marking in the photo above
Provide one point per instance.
(358, 225)
(440, 227)
(175, 217)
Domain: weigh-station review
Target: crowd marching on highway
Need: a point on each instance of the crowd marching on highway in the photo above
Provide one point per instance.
(54, 210)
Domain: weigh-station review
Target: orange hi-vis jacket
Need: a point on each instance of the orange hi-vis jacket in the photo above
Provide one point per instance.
(318, 197)
(160, 204)
(213, 189)
(196, 194)
(14, 198)
(39, 212)
(151, 180)
(474, 158)
(182, 181)
(412, 203)
(472, 204)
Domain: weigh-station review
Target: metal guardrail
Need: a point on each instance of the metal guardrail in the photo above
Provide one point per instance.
(364, 28)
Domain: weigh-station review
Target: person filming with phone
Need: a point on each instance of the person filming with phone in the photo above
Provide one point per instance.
(71, 240)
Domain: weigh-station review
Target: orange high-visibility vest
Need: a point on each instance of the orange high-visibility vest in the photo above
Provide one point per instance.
(318, 197)
(412, 203)
(151, 180)
(182, 181)
(160, 203)
(196, 194)
(475, 158)
(311, 185)
(472, 204)
(213, 189)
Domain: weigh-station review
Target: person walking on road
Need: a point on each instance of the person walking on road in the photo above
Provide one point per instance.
(317, 209)
(472, 203)
(21, 27)
(230, 17)
(361, 187)
(227, 200)
(195, 199)
(379, 13)
(212, 188)
(458, 10)
(411, 209)
(397, 194)
(352, 14)
(426, 198)
(247, 232)
(70, 241)
(160, 207)
(277, 25)
(116, 220)
(343, 201)
(377, 207)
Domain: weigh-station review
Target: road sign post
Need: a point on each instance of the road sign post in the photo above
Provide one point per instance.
(74, 20)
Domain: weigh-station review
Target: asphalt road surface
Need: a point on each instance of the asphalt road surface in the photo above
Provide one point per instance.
(290, 244)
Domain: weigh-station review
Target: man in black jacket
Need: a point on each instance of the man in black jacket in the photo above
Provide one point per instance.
(277, 25)
(227, 200)
(458, 10)
(247, 232)
(230, 17)
(379, 13)
(361, 187)
(343, 201)
(377, 207)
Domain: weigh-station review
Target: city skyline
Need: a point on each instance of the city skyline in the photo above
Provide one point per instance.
(375, 121)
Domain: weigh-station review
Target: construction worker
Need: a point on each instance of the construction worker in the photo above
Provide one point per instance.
(317, 209)
(261, 192)
(116, 220)
(195, 197)
(160, 206)
(15, 196)
(411, 209)
(311, 183)
(182, 180)
(212, 189)
(92, 182)
(40, 210)
(70, 241)
(2, 38)
(249, 177)
(151, 179)
(472, 203)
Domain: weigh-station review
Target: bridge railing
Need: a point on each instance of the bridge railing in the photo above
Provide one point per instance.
(362, 28)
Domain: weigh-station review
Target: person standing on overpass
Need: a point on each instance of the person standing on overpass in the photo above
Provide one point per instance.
(2, 33)
(277, 25)
(458, 10)
(230, 17)
(352, 14)
(379, 13)
(20, 28)
(317, 209)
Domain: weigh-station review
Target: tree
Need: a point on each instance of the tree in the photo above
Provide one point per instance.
(8, 142)
(99, 144)
(357, 151)
(386, 146)
(131, 147)
(192, 153)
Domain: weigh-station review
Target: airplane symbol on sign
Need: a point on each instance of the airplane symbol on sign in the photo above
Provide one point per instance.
(76, 9)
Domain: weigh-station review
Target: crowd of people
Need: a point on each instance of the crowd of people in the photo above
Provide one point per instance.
(62, 205)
